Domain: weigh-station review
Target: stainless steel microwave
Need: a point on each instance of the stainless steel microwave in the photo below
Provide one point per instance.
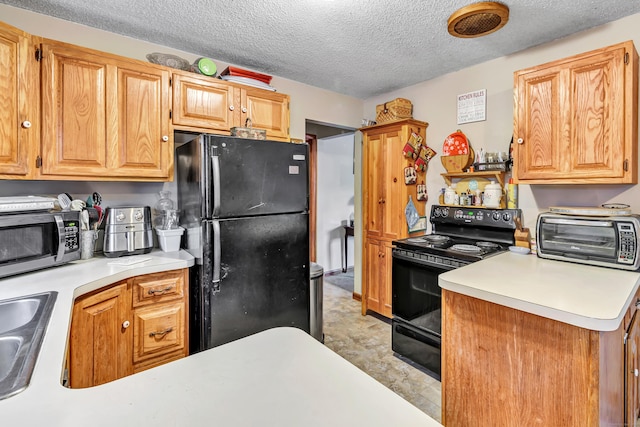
(607, 241)
(35, 240)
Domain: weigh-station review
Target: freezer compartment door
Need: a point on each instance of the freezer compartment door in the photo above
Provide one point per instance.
(251, 177)
(256, 276)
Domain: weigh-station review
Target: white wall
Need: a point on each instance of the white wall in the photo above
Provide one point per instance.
(435, 102)
(335, 201)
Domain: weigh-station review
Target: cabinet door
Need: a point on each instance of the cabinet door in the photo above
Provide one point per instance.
(104, 118)
(267, 110)
(377, 277)
(576, 119)
(74, 111)
(19, 100)
(204, 103)
(100, 344)
(143, 144)
(539, 124)
(394, 196)
(373, 176)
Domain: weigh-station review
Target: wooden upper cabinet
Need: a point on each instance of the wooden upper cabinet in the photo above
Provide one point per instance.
(104, 117)
(203, 103)
(19, 103)
(266, 110)
(576, 119)
(212, 105)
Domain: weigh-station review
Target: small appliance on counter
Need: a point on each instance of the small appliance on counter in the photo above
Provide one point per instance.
(32, 236)
(606, 236)
(127, 231)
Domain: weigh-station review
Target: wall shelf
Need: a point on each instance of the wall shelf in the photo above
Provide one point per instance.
(498, 175)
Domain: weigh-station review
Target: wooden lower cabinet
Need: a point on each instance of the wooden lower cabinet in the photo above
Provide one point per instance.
(128, 327)
(505, 367)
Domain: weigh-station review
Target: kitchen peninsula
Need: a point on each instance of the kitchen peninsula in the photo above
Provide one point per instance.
(279, 377)
(537, 341)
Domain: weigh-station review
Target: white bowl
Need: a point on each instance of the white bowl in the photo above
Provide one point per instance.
(519, 250)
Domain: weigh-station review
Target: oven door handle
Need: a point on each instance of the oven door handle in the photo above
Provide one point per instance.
(425, 337)
(427, 263)
(590, 223)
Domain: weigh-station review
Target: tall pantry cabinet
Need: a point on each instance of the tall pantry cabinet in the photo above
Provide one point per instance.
(384, 197)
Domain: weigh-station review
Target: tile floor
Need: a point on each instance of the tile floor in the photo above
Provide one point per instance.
(365, 341)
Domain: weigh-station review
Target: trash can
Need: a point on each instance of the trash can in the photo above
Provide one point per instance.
(315, 293)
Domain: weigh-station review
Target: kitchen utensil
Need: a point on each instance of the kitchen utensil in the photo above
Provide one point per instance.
(97, 198)
(77, 205)
(454, 164)
(168, 60)
(84, 220)
(64, 201)
(455, 144)
(204, 66)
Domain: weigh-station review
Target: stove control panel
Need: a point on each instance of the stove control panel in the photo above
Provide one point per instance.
(467, 215)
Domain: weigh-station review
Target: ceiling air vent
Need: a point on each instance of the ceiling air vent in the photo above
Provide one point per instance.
(478, 19)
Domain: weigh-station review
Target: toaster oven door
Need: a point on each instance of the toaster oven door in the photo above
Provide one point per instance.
(576, 237)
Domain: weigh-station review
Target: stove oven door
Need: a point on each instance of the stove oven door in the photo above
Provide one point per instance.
(416, 304)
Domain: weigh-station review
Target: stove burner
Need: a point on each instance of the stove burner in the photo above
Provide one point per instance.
(415, 239)
(436, 238)
(465, 248)
(487, 245)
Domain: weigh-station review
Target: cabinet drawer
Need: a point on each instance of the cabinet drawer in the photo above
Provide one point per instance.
(158, 330)
(159, 287)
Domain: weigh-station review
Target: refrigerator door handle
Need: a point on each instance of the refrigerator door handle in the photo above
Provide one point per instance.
(215, 175)
(215, 279)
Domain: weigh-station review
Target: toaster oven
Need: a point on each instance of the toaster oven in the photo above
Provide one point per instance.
(607, 241)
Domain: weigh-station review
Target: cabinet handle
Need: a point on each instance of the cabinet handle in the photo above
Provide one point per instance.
(244, 109)
(26, 124)
(383, 201)
(520, 141)
(165, 138)
(125, 324)
(160, 333)
(231, 108)
(159, 291)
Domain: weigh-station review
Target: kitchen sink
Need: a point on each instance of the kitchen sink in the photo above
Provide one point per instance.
(23, 322)
(18, 312)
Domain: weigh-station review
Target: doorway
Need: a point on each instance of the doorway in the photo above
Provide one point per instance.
(331, 192)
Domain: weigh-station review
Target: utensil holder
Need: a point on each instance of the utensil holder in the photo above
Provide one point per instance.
(87, 243)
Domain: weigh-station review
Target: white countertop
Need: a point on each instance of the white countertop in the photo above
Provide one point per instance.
(280, 377)
(594, 298)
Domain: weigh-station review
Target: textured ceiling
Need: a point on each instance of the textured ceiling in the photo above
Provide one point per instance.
(355, 47)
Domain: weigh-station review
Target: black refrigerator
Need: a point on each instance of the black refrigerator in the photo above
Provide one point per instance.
(244, 205)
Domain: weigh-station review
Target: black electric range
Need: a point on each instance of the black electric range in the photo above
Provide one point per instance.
(460, 236)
